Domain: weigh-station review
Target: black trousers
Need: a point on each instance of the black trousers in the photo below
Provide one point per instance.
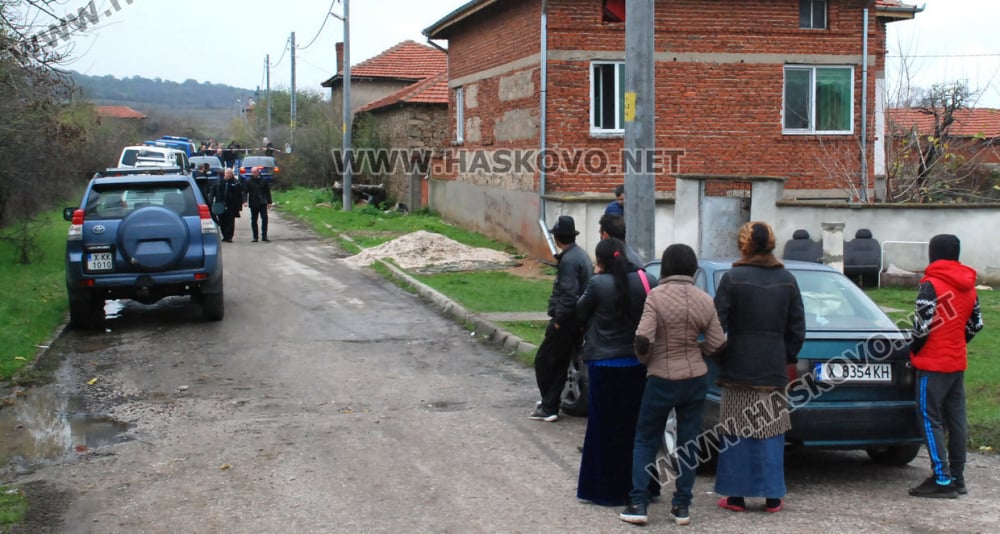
(227, 223)
(256, 211)
(552, 361)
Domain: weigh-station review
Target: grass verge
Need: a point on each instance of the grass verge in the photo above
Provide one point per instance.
(34, 301)
(13, 507)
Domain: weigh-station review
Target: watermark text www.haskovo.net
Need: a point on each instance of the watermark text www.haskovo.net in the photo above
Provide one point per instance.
(388, 162)
(86, 17)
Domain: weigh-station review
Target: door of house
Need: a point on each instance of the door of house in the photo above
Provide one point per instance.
(725, 207)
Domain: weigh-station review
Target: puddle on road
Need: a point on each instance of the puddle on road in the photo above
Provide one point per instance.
(447, 406)
(46, 425)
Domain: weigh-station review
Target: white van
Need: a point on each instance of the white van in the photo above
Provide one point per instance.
(153, 156)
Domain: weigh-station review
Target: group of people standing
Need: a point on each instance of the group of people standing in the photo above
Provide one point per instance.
(645, 345)
(229, 196)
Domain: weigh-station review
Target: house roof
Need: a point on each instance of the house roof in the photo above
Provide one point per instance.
(439, 30)
(433, 90)
(119, 112)
(407, 61)
(975, 122)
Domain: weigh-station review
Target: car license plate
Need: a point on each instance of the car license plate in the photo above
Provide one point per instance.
(853, 372)
(100, 261)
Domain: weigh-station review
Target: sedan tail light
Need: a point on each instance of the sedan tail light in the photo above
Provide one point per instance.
(76, 227)
(276, 170)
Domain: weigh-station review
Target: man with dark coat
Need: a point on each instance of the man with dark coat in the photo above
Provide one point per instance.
(947, 317)
(563, 334)
(229, 192)
(258, 198)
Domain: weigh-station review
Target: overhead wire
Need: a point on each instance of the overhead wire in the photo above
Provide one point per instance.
(326, 17)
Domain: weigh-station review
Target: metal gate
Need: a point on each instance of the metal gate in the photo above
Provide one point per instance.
(724, 207)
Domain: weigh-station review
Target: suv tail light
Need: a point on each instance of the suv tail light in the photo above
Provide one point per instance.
(207, 224)
(76, 227)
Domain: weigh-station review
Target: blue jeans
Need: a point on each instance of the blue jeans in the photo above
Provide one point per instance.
(687, 398)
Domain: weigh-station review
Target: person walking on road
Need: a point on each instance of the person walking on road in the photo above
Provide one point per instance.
(229, 191)
(678, 329)
(258, 198)
(760, 308)
(562, 335)
(611, 306)
(947, 318)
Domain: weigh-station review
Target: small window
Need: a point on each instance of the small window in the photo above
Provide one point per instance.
(607, 97)
(812, 14)
(459, 115)
(819, 100)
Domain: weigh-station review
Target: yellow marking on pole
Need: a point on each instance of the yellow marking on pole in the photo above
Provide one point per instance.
(629, 106)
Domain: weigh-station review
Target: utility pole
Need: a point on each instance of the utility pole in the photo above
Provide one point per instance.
(291, 132)
(346, 111)
(267, 70)
(256, 111)
(640, 127)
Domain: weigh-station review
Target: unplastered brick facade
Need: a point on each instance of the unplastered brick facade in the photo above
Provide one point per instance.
(720, 76)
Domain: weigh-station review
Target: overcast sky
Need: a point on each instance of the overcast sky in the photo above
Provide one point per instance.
(226, 41)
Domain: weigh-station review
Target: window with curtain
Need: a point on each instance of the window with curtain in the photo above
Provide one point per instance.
(812, 14)
(818, 100)
(607, 97)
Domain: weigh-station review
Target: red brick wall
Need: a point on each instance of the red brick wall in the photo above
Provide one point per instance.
(725, 116)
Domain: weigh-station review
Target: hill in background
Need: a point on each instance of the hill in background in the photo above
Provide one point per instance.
(213, 105)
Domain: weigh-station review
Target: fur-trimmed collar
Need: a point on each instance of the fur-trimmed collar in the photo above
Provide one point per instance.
(766, 260)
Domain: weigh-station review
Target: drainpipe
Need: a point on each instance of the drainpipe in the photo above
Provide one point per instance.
(864, 112)
(543, 110)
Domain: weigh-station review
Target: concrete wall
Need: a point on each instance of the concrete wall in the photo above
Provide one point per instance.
(512, 217)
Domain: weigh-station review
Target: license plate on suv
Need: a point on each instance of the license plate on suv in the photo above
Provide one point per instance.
(847, 372)
(102, 261)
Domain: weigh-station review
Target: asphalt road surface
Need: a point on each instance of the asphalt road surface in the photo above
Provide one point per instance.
(329, 400)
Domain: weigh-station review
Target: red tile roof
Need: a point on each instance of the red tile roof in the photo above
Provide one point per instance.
(433, 90)
(119, 112)
(408, 60)
(974, 122)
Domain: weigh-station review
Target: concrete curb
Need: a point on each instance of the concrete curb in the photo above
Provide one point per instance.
(455, 311)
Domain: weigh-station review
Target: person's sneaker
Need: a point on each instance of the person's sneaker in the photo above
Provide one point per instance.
(680, 515)
(930, 488)
(773, 505)
(960, 487)
(635, 514)
(541, 415)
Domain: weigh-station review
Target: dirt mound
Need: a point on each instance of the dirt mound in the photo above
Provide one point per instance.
(428, 252)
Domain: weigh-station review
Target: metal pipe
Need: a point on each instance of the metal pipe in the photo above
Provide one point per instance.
(864, 112)
(346, 111)
(543, 111)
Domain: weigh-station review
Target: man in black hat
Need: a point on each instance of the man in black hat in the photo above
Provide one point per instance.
(946, 319)
(563, 335)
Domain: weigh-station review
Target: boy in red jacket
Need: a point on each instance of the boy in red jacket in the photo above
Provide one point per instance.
(947, 317)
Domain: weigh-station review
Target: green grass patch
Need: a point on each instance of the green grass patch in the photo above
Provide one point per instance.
(491, 291)
(34, 301)
(982, 379)
(13, 506)
(530, 331)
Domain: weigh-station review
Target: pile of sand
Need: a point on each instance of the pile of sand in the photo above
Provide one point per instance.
(428, 252)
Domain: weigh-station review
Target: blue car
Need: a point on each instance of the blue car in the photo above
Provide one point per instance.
(853, 386)
(143, 237)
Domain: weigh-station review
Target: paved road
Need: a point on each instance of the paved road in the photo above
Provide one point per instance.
(329, 400)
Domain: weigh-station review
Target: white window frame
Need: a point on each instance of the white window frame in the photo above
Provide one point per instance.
(619, 99)
(812, 15)
(811, 128)
(459, 115)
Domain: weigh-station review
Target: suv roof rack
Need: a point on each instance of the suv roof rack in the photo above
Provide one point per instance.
(132, 171)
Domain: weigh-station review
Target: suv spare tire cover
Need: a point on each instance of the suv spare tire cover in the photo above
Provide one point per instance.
(153, 238)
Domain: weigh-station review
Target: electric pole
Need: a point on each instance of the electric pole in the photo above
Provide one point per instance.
(346, 111)
(267, 91)
(291, 131)
(640, 127)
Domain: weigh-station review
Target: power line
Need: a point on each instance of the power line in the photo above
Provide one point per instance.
(905, 56)
(326, 17)
(275, 65)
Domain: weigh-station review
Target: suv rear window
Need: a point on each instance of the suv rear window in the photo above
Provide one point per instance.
(110, 201)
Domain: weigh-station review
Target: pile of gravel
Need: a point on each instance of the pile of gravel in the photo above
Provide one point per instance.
(428, 252)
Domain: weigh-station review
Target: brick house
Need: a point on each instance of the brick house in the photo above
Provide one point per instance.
(743, 88)
(402, 96)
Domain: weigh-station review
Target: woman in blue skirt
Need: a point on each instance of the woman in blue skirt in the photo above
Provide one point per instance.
(761, 310)
(611, 306)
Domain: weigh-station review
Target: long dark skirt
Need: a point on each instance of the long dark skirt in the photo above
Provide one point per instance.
(613, 408)
(752, 468)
